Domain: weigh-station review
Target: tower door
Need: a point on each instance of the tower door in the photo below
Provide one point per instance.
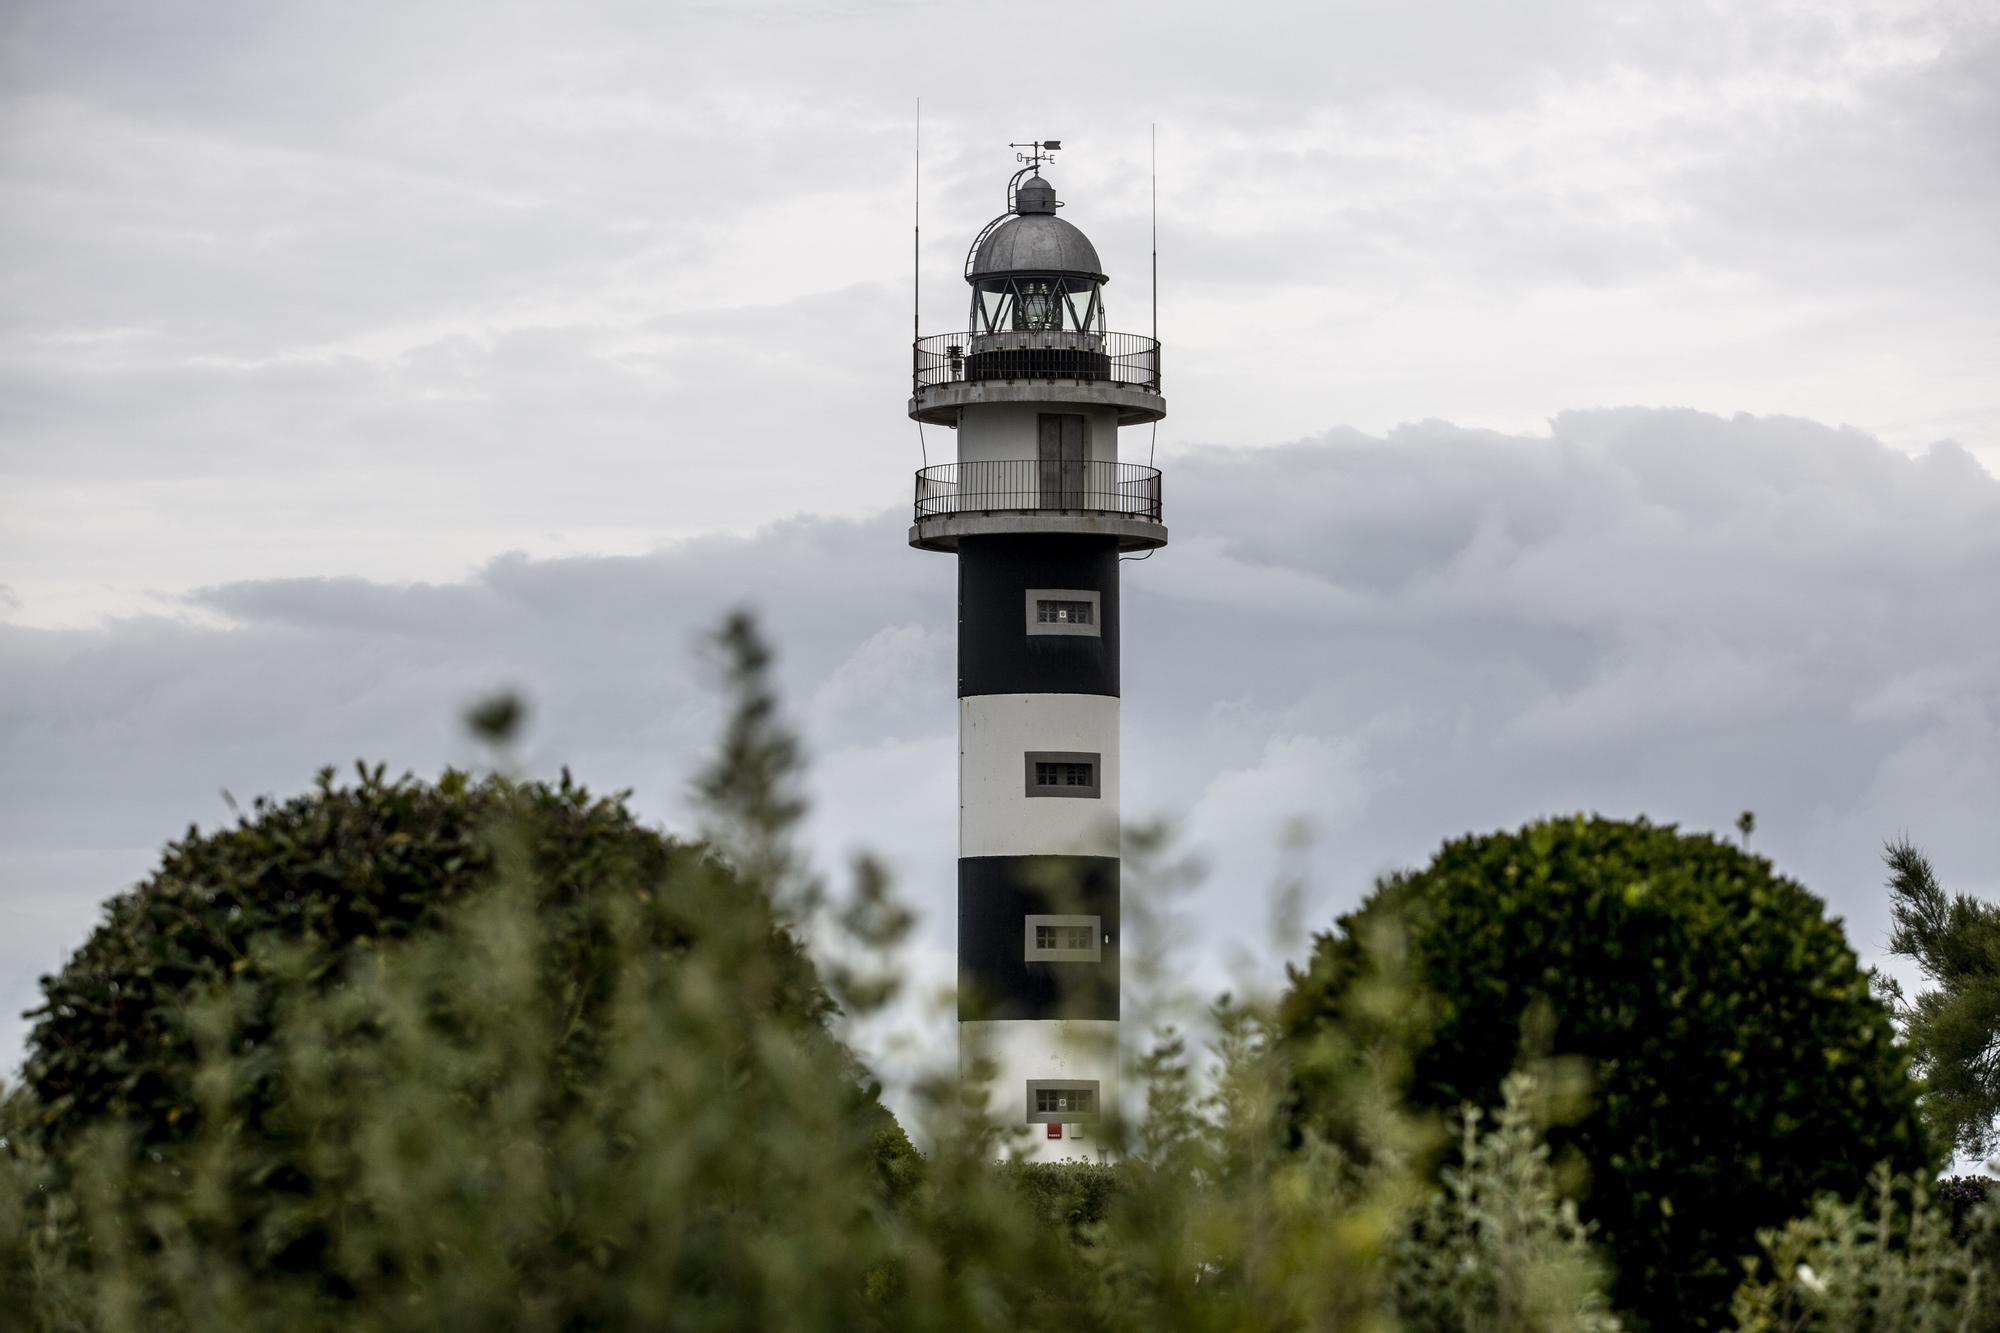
(1061, 455)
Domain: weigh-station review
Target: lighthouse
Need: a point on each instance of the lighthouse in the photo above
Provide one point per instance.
(1039, 510)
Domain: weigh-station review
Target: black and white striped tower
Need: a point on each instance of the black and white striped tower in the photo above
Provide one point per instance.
(1038, 509)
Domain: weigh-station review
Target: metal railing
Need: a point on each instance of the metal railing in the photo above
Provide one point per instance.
(1128, 489)
(1026, 354)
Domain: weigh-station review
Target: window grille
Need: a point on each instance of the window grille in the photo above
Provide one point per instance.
(1064, 775)
(1063, 937)
(1061, 1100)
(1062, 613)
(1081, 1101)
(1073, 773)
(1048, 938)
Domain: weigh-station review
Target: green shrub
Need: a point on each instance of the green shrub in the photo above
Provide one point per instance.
(1895, 1261)
(1498, 1248)
(1217, 1223)
(405, 1151)
(257, 943)
(412, 1138)
(333, 875)
(1741, 1066)
(303, 899)
(1961, 1197)
(1215, 1226)
(1076, 1196)
(716, 1179)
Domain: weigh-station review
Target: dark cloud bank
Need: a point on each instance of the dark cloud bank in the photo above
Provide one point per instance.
(1401, 639)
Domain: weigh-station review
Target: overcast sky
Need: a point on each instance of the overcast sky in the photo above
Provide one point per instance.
(1572, 406)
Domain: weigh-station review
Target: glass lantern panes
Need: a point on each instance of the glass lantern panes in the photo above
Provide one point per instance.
(1037, 305)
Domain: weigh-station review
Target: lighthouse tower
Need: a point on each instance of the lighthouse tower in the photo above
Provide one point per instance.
(1039, 511)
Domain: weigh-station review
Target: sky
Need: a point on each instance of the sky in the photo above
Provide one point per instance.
(1572, 406)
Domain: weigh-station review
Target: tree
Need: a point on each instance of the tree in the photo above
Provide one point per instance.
(445, 1125)
(377, 980)
(1953, 1028)
(318, 884)
(1740, 1064)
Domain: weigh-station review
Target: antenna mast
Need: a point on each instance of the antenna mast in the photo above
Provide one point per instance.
(1156, 234)
(917, 234)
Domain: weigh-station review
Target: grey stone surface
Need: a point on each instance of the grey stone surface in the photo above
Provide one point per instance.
(943, 532)
(939, 405)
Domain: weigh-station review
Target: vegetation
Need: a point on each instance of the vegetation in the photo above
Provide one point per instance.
(1892, 1261)
(1739, 1065)
(314, 887)
(1961, 1198)
(1499, 1246)
(486, 1053)
(1955, 943)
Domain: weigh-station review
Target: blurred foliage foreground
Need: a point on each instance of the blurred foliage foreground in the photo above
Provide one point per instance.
(487, 1054)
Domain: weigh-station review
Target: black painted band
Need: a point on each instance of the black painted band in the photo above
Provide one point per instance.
(996, 653)
(996, 896)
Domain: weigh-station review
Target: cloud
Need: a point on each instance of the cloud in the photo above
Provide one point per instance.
(1397, 638)
(313, 311)
(306, 293)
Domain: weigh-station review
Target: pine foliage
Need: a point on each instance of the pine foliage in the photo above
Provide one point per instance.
(1953, 1027)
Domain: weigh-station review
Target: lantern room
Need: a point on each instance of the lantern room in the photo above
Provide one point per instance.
(1032, 272)
(1036, 328)
(1037, 389)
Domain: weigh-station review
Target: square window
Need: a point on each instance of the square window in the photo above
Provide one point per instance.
(1063, 773)
(1064, 611)
(1061, 1100)
(1050, 611)
(1063, 939)
(1082, 1101)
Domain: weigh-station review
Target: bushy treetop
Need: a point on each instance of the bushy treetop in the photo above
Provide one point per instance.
(332, 874)
(1740, 1064)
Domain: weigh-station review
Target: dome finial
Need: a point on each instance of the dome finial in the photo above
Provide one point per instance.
(1035, 195)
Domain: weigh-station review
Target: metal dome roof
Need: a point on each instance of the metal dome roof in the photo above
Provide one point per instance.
(1035, 243)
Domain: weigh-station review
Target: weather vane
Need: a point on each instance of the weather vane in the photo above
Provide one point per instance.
(1039, 151)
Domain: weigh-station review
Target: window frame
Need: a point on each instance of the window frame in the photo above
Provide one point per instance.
(1090, 1085)
(1095, 629)
(1034, 953)
(1093, 791)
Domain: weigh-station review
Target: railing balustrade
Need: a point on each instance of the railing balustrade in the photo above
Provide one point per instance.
(1026, 354)
(1126, 489)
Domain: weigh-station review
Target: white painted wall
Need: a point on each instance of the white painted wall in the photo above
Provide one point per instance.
(996, 431)
(1044, 1048)
(996, 816)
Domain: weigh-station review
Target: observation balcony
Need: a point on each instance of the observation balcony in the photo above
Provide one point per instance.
(952, 370)
(1015, 496)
